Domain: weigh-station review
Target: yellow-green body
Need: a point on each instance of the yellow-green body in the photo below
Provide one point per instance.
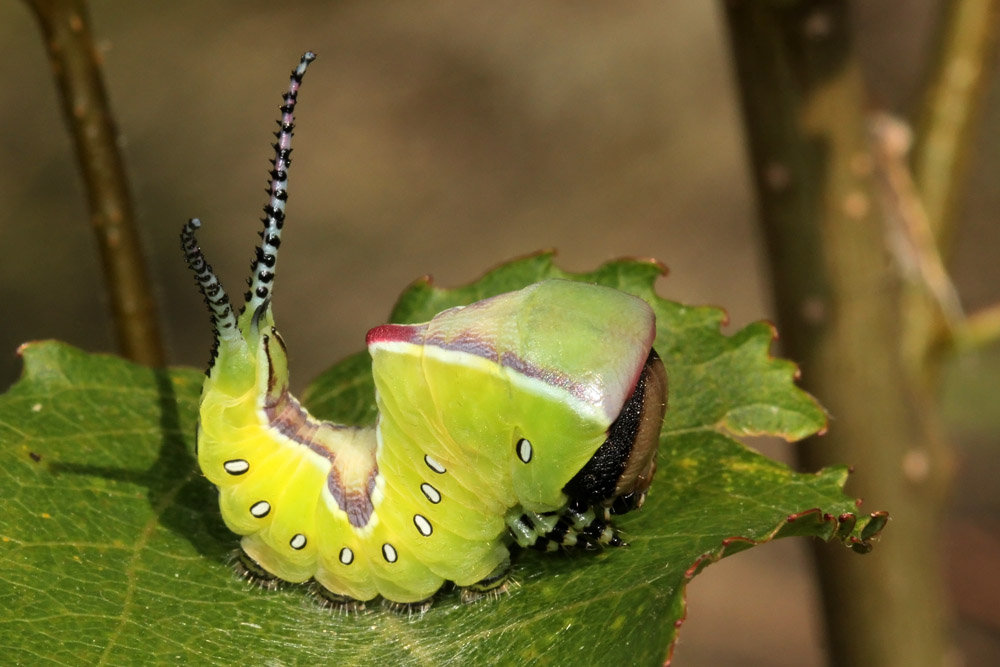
(550, 364)
(485, 413)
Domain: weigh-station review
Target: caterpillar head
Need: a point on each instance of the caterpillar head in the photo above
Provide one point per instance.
(621, 470)
(242, 344)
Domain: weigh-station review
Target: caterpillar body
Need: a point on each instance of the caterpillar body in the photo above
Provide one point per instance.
(525, 419)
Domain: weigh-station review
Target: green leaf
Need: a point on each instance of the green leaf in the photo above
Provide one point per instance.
(112, 549)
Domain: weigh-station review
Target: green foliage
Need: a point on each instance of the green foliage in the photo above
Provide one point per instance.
(112, 549)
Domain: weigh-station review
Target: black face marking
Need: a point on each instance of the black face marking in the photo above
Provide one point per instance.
(431, 493)
(389, 553)
(524, 450)
(346, 556)
(260, 509)
(598, 479)
(236, 466)
(434, 465)
(298, 542)
(424, 526)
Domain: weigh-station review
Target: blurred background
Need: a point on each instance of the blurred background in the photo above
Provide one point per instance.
(444, 138)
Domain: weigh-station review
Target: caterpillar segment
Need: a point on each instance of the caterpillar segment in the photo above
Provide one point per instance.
(521, 421)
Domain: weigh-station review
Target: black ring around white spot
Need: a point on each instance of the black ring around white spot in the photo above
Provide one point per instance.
(434, 465)
(298, 542)
(432, 494)
(389, 553)
(260, 509)
(236, 466)
(424, 526)
(346, 556)
(524, 450)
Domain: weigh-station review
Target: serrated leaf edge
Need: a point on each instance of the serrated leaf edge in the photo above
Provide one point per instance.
(859, 544)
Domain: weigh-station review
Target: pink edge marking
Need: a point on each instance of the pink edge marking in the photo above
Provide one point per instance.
(798, 515)
(796, 376)
(677, 630)
(426, 280)
(689, 574)
(24, 346)
(774, 334)
(726, 542)
(391, 333)
(640, 259)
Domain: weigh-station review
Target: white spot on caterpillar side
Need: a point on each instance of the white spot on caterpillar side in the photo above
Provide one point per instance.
(423, 525)
(346, 556)
(432, 494)
(260, 509)
(298, 542)
(236, 466)
(389, 553)
(524, 450)
(434, 465)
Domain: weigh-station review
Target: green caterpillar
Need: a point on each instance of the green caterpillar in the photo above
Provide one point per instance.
(527, 418)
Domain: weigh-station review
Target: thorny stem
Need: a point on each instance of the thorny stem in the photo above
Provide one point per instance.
(76, 65)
